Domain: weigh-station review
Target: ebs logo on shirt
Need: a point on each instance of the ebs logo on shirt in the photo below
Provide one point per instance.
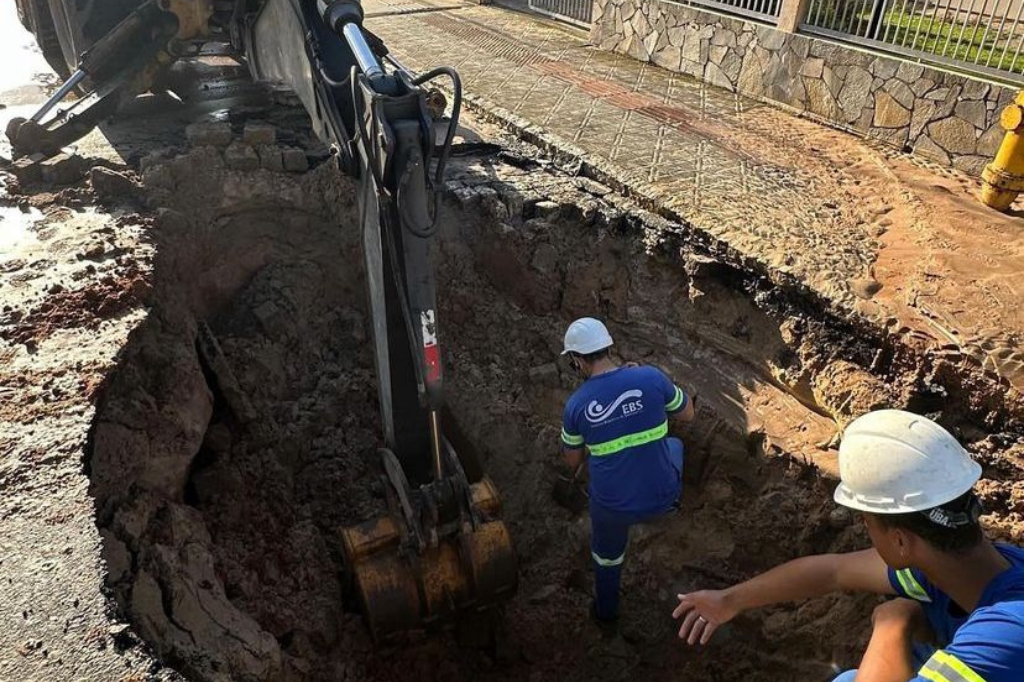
(596, 413)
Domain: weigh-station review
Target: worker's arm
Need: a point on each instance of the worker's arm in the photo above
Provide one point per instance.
(678, 404)
(889, 656)
(573, 443)
(687, 413)
(573, 456)
(703, 612)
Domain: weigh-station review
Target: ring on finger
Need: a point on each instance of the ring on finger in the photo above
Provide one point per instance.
(702, 619)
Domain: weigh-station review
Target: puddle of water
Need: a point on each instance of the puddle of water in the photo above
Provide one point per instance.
(15, 234)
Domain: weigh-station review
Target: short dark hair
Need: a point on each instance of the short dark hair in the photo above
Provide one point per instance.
(593, 357)
(956, 540)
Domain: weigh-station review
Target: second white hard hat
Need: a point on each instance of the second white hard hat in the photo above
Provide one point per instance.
(586, 335)
(895, 462)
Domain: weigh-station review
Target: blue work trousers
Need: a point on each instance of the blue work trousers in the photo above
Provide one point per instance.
(609, 535)
(922, 652)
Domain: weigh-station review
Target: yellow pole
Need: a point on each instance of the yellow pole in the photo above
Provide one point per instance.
(1003, 179)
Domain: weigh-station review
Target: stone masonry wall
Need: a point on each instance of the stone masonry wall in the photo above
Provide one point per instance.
(940, 115)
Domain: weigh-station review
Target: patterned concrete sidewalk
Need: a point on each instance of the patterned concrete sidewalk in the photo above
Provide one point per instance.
(866, 227)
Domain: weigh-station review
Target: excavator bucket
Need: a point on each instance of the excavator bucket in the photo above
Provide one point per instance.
(408, 577)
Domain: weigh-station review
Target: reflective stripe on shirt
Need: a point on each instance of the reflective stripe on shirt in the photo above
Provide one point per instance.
(945, 667)
(911, 586)
(606, 563)
(629, 441)
(571, 440)
(677, 401)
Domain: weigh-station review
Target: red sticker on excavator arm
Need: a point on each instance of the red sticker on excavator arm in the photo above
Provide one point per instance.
(432, 358)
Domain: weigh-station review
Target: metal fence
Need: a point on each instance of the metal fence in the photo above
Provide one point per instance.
(762, 10)
(579, 12)
(983, 36)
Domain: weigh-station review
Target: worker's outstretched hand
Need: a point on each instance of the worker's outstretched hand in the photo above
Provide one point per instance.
(702, 613)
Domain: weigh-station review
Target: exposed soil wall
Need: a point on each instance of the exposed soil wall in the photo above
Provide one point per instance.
(238, 434)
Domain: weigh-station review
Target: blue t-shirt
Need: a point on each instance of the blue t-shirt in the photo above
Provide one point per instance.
(622, 418)
(986, 645)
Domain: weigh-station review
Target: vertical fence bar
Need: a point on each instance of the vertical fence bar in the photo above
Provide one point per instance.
(1016, 54)
(860, 18)
(848, 14)
(889, 22)
(910, 17)
(931, 22)
(817, 17)
(999, 33)
(904, 33)
(988, 27)
(878, 8)
(920, 20)
(1013, 31)
(963, 28)
(814, 9)
(952, 25)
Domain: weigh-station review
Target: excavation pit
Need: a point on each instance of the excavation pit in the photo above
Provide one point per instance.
(239, 433)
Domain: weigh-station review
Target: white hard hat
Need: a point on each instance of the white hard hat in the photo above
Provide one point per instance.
(895, 462)
(586, 335)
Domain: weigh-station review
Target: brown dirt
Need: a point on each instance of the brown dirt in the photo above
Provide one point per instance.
(221, 536)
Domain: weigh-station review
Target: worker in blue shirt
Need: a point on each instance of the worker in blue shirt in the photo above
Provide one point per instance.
(958, 615)
(620, 416)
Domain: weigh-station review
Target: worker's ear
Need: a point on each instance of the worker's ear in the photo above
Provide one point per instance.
(901, 541)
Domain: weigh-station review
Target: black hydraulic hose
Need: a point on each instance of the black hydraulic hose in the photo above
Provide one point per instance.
(442, 160)
(453, 122)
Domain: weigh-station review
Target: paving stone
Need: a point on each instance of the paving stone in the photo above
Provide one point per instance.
(975, 89)
(856, 93)
(295, 160)
(972, 111)
(988, 143)
(971, 164)
(889, 113)
(724, 37)
(812, 67)
(924, 113)
(908, 73)
(241, 157)
(901, 91)
(271, 158)
(686, 141)
(257, 134)
(954, 134)
(209, 134)
(929, 150)
(714, 75)
(820, 100)
(921, 86)
(884, 67)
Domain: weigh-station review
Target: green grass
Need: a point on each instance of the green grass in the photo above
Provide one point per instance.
(931, 36)
(964, 41)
